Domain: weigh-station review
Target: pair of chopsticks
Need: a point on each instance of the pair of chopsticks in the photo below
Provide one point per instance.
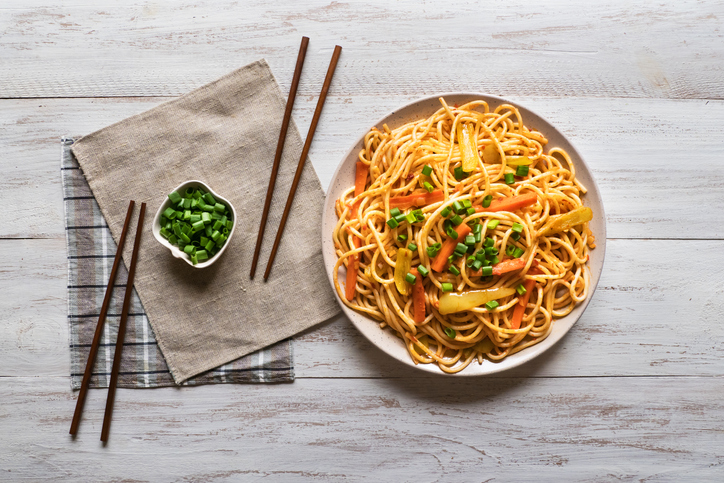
(302, 160)
(121, 327)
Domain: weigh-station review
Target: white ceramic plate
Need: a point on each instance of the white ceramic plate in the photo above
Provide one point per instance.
(423, 108)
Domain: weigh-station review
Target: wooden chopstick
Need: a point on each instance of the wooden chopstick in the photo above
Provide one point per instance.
(99, 327)
(280, 148)
(302, 160)
(122, 329)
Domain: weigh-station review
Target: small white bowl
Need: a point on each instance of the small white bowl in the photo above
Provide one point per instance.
(176, 251)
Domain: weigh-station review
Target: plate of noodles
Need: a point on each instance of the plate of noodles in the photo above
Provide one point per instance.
(463, 234)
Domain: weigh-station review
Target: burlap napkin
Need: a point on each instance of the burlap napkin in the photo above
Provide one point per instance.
(224, 134)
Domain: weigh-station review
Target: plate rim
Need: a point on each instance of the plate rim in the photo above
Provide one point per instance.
(506, 364)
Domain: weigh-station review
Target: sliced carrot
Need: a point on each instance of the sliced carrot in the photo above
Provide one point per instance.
(509, 265)
(449, 247)
(418, 297)
(510, 204)
(360, 177)
(352, 267)
(519, 309)
(418, 198)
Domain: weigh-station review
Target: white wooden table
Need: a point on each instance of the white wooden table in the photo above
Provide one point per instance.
(633, 392)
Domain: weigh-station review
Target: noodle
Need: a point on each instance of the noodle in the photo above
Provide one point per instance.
(541, 239)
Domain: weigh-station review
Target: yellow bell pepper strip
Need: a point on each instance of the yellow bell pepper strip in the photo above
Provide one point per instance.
(468, 147)
(491, 154)
(402, 268)
(451, 302)
(566, 221)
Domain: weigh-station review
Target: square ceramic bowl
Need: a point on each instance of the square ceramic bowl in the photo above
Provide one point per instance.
(176, 251)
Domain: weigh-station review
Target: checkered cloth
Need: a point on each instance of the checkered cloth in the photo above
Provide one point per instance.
(91, 251)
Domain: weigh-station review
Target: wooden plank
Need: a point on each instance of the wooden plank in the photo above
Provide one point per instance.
(420, 429)
(657, 311)
(606, 49)
(647, 155)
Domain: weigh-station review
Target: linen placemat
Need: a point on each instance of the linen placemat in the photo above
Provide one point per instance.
(91, 250)
(224, 134)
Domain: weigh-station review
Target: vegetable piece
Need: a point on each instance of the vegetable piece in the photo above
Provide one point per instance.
(459, 173)
(493, 224)
(517, 227)
(422, 270)
(433, 250)
(417, 199)
(485, 346)
(412, 247)
(448, 248)
(454, 270)
(174, 197)
(492, 305)
(487, 200)
(491, 154)
(468, 147)
(446, 287)
(360, 177)
(427, 170)
(510, 204)
(418, 296)
(519, 309)
(457, 302)
(446, 211)
(509, 178)
(392, 223)
(410, 278)
(202, 254)
(352, 268)
(509, 265)
(518, 252)
(567, 221)
(486, 271)
(428, 187)
(456, 220)
(450, 332)
(402, 238)
(402, 267)
(522, 170)
(395, 212)
(520, 289)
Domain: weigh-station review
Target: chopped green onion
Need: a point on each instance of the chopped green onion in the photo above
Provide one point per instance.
(454, 270)
(477, 264)
(509, 178)
(517, 227)
(480, 255)
(477, 229)
(410, 278)
(520, 289)
(392, 223)
(461, 248)
(487, 200)
(189, 249)
(174, 197)
(199, 225)
(165, 233)
(217, 225)
(446, 211)
(187, 204)
(427, 170)
(509, 250)
(202, 254)
(469, 261)
(491, 251)
(209, 199)
(423, 271)
(432, 250)
(470, 240)
(418, 214)
(428, 187)
(515, 236)
(489, 242)
(449, 331)
(522, 170)
(470, 211)
(452, 233)
(492, 305)
(411, 218)
(173, 240)
(493, 224)
(394, 212)
(446, 287)
(169, 213)
(457, 207)
(494, 260)
(459, 173)
(400, 218)
(467, 203)
(401, 238)
(456, 220)
(412, 247)
(518, 252)
(487, 271)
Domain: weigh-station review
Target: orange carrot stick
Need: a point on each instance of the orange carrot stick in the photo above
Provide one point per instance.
(519, 309)
(360, 182)
(510, 204)
(509, 265)
(418, 198)
(449, 247)
(418, 297)
(352, 266)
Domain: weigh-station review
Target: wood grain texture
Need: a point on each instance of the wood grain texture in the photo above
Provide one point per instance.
(611, 48)
(651, 315)
(419, 430)
(639, 150)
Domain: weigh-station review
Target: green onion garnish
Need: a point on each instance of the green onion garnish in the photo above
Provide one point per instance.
(493, 224)
(494, 260)
(410, 278)
(175, 197)
(517, 227)
(446, 287)
(515, 236)
(446, 211)
(432, 250)
(477, 229)
(392, 223)
(521, 171)
(412, 247)
(477, 264)
(492, 305)
(400, 218)
(461, 248)
(518, 252)
(489, 242)
(452, 233)
(470, 240)
(428, 187)
(454, 270)
(411, 218)
(520, 289)
(401, 238)
(459, 173)
(395, 212)
(456, 220)
(457, 207)
(509, 250)
(491, 251)
(469, 261)
(487, 271)
(487, 200)
(427, 170)
(509, 178)
(423, 271)
(449, 331)
(480, 255)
